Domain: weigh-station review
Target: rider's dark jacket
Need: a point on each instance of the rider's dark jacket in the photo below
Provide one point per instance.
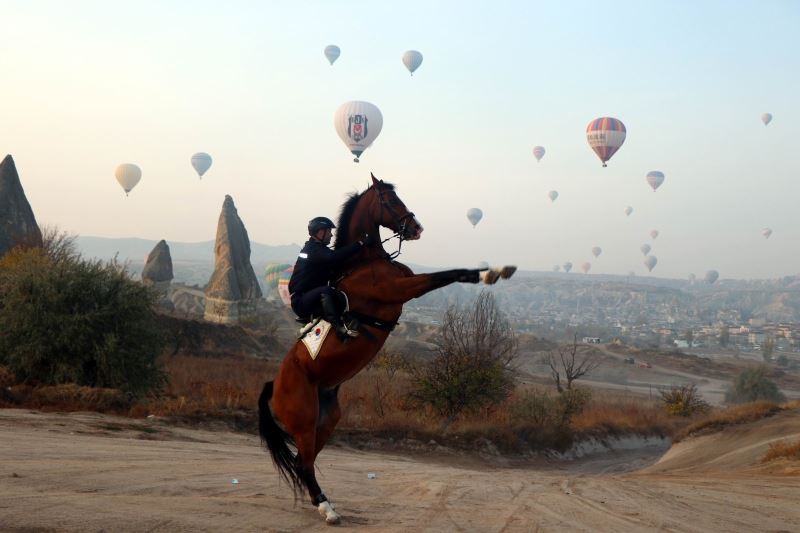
(315, 263)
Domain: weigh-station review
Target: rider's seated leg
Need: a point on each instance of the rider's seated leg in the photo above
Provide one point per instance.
(332, 313)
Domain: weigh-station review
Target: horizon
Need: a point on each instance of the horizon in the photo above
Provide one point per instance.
(91, 86)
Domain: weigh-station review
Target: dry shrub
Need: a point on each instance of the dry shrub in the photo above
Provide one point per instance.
(7, 377)
(683, 400)
(609, 415)
(70, 397)
(721, 418)
(782, 450)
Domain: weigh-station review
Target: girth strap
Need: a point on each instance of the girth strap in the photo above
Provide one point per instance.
(372, 321)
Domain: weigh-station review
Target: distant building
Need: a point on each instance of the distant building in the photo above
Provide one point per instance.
(591, 340)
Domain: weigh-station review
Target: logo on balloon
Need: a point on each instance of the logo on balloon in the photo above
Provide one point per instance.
(357, 127)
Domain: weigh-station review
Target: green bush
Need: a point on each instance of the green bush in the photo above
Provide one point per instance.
(68, 320)
(753, 384)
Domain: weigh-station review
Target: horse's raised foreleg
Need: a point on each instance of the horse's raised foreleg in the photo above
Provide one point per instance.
(401, 290)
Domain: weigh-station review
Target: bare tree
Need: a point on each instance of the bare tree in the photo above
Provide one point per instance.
(473, 366)
(570, 362)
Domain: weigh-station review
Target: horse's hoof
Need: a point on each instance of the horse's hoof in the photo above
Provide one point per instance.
(331, 517)
(507, 271)
(490, 277)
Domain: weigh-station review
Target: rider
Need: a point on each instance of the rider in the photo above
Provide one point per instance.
(311, 294)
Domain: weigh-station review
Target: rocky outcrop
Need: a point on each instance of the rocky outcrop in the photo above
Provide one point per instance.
(233, 291)
(157, 272)
(17, 223)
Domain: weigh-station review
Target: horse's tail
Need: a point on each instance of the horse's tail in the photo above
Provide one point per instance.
(277, 441)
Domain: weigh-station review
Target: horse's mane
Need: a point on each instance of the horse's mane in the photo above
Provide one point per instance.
(346, 214)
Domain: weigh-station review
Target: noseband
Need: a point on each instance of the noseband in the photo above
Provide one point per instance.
(400, 220)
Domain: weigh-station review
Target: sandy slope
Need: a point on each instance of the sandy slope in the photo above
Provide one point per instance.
(91, 472)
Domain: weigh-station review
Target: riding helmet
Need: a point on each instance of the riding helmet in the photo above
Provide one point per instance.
(318, 223)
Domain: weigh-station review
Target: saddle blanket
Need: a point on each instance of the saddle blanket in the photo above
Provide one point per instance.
(315, 337)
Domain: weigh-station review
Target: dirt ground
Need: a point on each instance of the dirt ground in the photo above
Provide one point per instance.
(91, 472)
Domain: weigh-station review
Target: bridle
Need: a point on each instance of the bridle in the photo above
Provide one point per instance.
(400, 220)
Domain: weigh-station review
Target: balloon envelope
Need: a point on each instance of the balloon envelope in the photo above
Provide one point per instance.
(332, 53)
(655, 178)
(567, 266)
(412, 60)
(605, 136)
(712, 276)
(766, 232)
(474, 215)
(654, 233)
(128, 175)
(596, 251)
(645, 248)
(628, 211)
(553, 195)
(201, 162)
(358, 125)
(272, 273)
(650, 262)
(283, 285)
(766, 118)
(538, 152)
(586, 267)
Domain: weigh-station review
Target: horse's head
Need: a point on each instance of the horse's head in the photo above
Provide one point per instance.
(390, 211)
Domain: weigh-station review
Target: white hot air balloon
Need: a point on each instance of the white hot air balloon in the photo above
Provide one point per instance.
(655, 178)
(645, 248)
(596, 251)
(201, 162)
(654, 233)
(586, 267)
(128, 175)
(766, 118)
(552, 195)
(650, 262)
(332, 53)
(358, 125)
(538, 152)
(712, 276)
(567, 267)
(412, 60)
(766, 232)
(628, 211)
(474, 215)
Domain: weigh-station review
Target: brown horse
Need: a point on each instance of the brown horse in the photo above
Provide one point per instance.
(303, 395)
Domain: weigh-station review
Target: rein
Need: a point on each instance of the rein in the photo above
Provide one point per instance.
(400, 221)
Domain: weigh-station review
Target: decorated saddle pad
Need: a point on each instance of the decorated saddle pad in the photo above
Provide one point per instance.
(315, 337)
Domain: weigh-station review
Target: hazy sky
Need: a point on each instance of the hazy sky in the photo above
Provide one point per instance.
(88, 85)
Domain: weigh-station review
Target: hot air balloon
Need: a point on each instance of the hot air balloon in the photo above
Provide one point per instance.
(332, 53)
(766, 232)
(201, 162)
(712, 276)
(655, 178)
(283, 285)
(552, 195)
(766, 118)
(628, 211)
(654, 233)
(272, 273)
(650, 262)
(567, 267)
(474, 215)
(358, 125)
(605, 136)
(538, 152)
(128, 175)
(556, 268)
(586, 267)
(645, 248)
(412, 60)
(596, 251)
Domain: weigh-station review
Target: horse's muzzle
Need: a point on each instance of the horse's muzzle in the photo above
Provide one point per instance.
(413, 231)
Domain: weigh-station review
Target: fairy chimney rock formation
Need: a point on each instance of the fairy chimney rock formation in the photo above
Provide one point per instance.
(157, 271)
(17, 223)
(233, 291)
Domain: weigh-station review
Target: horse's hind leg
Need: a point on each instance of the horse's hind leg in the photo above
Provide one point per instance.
(329, 415)
(296, 404)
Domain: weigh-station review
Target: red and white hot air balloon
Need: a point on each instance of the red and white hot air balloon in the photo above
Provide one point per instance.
(605, 136)
(538, 152)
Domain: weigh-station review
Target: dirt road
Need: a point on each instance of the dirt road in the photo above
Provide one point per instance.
(90, 472)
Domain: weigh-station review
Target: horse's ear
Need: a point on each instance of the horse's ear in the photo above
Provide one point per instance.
(374, 179)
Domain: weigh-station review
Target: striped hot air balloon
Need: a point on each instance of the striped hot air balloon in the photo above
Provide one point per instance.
(605, 136)
(272, 273)
(283, 285)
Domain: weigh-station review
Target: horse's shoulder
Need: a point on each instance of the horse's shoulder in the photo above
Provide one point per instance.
(405, 269)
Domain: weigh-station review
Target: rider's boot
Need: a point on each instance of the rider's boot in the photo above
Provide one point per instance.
(331, 314)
